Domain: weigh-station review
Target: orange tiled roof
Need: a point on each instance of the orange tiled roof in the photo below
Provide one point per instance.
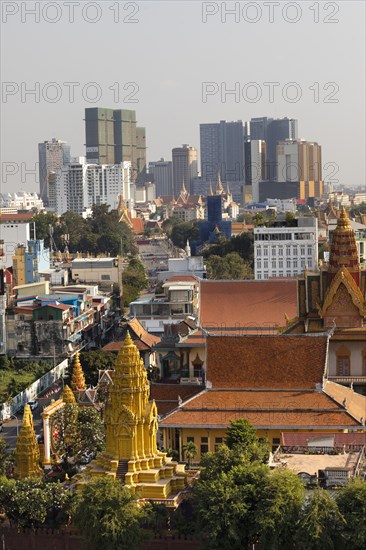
(8, 218)
(167, 395)
(247, 303)
(284, 361)
(137, 225)
(283, 409)
(142, 339)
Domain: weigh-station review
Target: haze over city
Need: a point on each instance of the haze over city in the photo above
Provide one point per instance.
(176, 63)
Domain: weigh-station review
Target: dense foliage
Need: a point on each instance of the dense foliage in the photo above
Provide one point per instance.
(94, 360)
(179, 231)
(80, 432)
(231, 266)
(17, 374)
(108, 516)
(33, 503)
(239, 501)
(102, 233)
(133, 281)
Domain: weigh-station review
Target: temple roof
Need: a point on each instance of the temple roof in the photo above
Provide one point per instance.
(254, 304)
(263, 362)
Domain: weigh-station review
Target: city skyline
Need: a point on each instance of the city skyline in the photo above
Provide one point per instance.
(196, 84)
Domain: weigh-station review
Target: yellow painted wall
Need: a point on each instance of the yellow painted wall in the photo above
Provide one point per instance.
(272, 435)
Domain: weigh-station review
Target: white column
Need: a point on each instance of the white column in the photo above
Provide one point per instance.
(47, 441)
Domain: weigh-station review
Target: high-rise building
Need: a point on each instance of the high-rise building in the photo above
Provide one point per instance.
(271, 130)
(255, 168)
(299, 160)
(185, 167)
(52, 154)
(82, 185)
(162, 173)
(112, 137)
(222, 148)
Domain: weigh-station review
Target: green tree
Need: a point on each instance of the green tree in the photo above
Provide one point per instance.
(183, 231)
(90, 430)
(320, 523)
(157, 516)
(190, 450)
(351, 501)
(242, 436)
(7, 458)
(33, 503)
(232, 266)
(279, 510)
(95, 360)
(133, 280)
(80, 431)
(108, 515)
(43, 221)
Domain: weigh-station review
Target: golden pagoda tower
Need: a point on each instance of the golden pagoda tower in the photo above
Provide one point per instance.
(78, 378)
(343, 250)
(131, 423)
(67, 396)
(27, 454)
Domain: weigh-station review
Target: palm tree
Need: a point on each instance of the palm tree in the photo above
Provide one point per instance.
(190, 451)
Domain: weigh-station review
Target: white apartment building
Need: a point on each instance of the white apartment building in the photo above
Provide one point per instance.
(285, 251)
(81, 185)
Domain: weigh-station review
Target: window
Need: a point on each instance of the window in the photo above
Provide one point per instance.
(259, 252)
(204, 449)
(204, 439)
(265, 251)
(274, 264)
(295, 263)
(280, 251)
(310, 251)
(259, 264)
(218, 442)
(105, 277)
(280, 264)
(343, 365)
(275, 443)
(288, 251)
(302, 251)
(190, 439)
(265, 264)
(288, 263)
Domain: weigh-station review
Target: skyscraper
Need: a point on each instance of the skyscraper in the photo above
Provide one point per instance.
(255, 168)
(185, 167)
(162, 172)
(301, 161)
(112, 137)
(271, 130)
(52, 154)
(222, 147)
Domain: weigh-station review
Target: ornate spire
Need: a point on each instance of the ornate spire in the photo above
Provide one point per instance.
(211, 190)
(78, 378)
(219, 187)
(67, 396)
(188, 248)
(343, 249)
(130, 419)
(27, 451)
(228, 192)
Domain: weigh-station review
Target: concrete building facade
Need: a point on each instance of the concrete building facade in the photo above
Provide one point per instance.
(185, 167)
(285, 251)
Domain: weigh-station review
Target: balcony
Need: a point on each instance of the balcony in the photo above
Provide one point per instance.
(348, 379)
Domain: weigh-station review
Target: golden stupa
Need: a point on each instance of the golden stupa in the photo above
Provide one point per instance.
(67, 396)
(131, 423)
(78, 378)
(27, 454)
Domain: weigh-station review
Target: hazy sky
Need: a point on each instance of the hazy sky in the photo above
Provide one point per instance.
(314, 51)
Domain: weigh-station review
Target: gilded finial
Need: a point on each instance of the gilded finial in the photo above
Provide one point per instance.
(67, 396)
(78, 378)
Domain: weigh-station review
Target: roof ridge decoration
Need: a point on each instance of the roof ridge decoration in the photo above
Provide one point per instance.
(343, 276)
